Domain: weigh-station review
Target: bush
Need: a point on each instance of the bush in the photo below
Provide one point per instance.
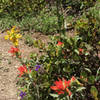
(88, 26)
(64, 57)
(78, 5)
(44, 23)
(17, 9)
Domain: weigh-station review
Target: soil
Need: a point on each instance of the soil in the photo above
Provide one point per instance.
(8, 68)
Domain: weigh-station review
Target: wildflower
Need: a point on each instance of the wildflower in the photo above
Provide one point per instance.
(80, 51)
(19, 57)
(61, 86)
(22, 94)
(59, 43)
(37, 67)
(13, 50)
(22, 70)
(73, 78)
(13, 35)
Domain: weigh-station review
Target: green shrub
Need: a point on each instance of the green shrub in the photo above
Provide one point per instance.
(63, 57)
(7, 22)
(19, 8)
(78, 5)
(45, 23)
(88, 25)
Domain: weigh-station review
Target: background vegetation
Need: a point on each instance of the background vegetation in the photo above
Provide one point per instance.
(46, 16)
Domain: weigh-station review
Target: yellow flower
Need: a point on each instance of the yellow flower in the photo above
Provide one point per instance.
(18, 36)
(13, 35)
(11, 38)
(16, 43)
(6, 37)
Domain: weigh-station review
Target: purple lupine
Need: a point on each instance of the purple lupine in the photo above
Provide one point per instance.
(22, 94)
(37, 67)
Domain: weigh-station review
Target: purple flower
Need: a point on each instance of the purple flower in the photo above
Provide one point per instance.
(22, 94)
(37, 67)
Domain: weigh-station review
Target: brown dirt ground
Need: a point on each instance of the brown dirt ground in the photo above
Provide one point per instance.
(8, 72)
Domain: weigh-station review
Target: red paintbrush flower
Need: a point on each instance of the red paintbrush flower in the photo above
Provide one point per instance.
(61, 86)
(59, 43)
(73, 78)
(22, 70)
(13, 50)
(80, 51)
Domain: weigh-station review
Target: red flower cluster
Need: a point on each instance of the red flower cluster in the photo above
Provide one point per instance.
(59, 43)
(13, 50)
(22, 70)
(62, 85)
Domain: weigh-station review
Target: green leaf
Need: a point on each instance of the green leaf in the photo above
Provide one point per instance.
(99, 42)
(86, 53)
(97, 78)
(46, 84)
(91, 79)
(80, 89)
(87, 69)
(76, 51)
(54, 95)
(84, 74)
(94, 92)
